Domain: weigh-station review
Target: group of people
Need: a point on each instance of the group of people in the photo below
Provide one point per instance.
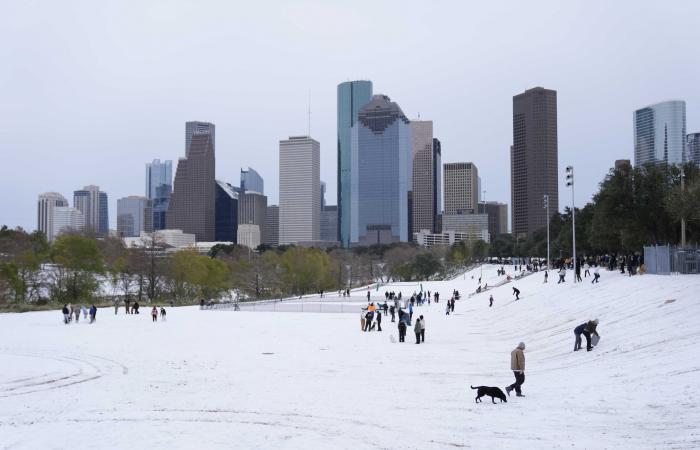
(73, 311)
(154, 314)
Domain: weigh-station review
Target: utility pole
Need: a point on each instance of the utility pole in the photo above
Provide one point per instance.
(570, 183)
(546, 206)
(682, 218)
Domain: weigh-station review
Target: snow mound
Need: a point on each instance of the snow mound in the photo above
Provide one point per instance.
(215, 379)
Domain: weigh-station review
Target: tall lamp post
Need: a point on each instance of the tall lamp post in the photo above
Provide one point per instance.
(546, 206)
(682, 218)
(570, 183)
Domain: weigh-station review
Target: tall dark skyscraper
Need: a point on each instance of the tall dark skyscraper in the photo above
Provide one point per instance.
(352, 96)
(437, 185)
(226, 215)
(534, 159)
(192, 204)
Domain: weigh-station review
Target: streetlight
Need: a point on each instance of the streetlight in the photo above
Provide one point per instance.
(570, 183)
(682, 218)
(546, 206)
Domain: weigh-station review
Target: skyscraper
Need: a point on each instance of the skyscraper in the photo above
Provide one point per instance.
(67, 219)
(191, 207)
(381, 174)
(46, 205)
(195, 127)
(300, 190)
(94, 206)
(252, 209)
(424, 185)
(534, 159)
(352, 96)
(271, 233)
(659, 133)
(437, 185)
(252, 181)
(159, 186)
(497, 217)
(461, 188)
(226, 213)
(693, 148)
(134, 215)
(329, 223)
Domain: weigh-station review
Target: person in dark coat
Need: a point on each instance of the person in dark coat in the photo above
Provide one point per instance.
(490, 301)
(516, 292)
(379, 320)
(586, 329)
(368, 320)
(416, 329)
(93, 313)
(392, 311)
(402, 326)
(126, 306)
(66, 314)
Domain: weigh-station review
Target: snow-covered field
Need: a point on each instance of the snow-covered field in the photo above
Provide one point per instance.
(225, 379)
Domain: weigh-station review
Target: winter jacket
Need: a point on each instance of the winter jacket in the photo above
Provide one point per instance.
(579, 329)
(591, 327)
(517, 360)
(93, 311)
(416, 327)
(64, 310)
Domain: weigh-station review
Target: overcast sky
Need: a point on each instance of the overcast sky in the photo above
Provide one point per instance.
(91, 91)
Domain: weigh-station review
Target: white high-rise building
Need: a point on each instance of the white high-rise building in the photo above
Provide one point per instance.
(300, 190)
(66, 219)
(48, 201)
(660, 133)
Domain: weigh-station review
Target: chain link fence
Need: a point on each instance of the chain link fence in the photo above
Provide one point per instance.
(666, 259)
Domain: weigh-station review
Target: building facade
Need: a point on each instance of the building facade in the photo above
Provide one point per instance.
(159, 187)
(461, 188)
(693, 148)
(134, 216)
(352, 96)
(660, 133)
(300, 189)
(249, 235)
(252, 181)
(271, 232)
(252, 208)
(48, 201)
(67, 219)
(423, 199)
(329, 223)
(437, 186)
(476, 226)
(196, 127)
(426, 239)
(534, 160)
(226, 213)
(497, 215)
(381, 174)
(94, 205)
(192, 204)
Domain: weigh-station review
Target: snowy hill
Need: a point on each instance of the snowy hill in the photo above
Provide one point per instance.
(224, 379)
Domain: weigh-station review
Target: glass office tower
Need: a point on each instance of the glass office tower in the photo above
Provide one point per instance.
(159, 186)
(659, 133)
(352, 96)
(381, 167)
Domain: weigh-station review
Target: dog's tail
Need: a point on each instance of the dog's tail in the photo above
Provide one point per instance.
(474, 387)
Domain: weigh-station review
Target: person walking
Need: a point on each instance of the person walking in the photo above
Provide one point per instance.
(154, 314)
(422, 329)
(126, 305)
(368, 320)
(517, 365)
(116, 307)
(452, 305)
(162, 314)
(362, 320)
(66, 314)
(596, 275)
(586, 270)
(379, 320)
(392, 311)
(447, 309)
(562, 275)
(93, 313)
(546, 275)
(490, 301)
(410, 313)
(516, 292)
(416, 329)
(368, 295)
(76, 313)
(85, 311)
(402, 326)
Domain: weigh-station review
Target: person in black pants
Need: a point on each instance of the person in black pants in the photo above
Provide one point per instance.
(379, 320)
(516, 291)
(416, 329)
(422, 329)
(402, 328)
(392, 311)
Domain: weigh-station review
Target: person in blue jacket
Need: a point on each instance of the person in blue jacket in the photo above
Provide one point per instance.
(93, 313)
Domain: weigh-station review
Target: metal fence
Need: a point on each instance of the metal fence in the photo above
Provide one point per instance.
(666, 259)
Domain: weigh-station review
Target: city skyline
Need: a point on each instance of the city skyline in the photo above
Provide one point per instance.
(469, 101)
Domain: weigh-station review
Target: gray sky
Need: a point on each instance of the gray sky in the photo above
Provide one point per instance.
(91, 91)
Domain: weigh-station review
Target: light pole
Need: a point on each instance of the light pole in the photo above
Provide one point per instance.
(546, 206)
(682, 218)
(570, 183)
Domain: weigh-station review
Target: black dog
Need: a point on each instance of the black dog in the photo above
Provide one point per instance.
(490, 391)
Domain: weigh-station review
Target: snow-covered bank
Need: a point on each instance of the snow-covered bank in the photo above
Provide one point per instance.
(214, 379)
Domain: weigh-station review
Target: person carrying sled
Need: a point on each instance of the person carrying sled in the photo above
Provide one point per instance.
(586, 329)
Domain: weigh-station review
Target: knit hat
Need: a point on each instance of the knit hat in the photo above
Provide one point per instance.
(521, 346)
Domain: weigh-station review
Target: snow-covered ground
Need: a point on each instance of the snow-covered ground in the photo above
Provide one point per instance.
(225, 379)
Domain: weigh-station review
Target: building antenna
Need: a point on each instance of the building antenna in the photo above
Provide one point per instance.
(309, 112)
